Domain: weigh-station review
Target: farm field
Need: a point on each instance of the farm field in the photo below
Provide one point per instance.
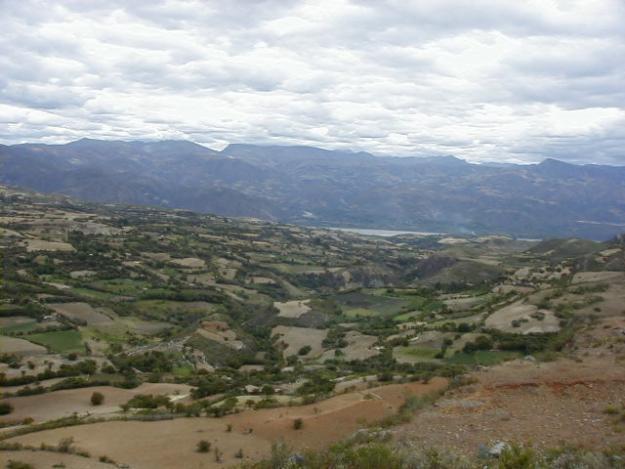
(161, 444)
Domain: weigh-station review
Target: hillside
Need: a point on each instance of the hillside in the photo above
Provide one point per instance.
(316, 187)
(241, 333)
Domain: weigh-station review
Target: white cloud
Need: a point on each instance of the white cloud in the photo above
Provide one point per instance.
(482, 79)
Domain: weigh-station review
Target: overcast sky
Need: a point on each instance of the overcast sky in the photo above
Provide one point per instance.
(485, 80)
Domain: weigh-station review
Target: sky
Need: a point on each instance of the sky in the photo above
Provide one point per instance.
(484, 80)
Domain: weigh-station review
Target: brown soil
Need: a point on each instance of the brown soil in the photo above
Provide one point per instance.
(46, 459)
(54, 405)
(545, 404)
(164, 444)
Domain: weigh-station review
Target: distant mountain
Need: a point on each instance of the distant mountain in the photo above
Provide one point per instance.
(307, 185)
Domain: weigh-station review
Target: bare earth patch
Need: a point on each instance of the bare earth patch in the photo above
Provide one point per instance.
(41, 459)
(20, 346)
(359, 347)
(33, 245)
(57, 404)
(528, 317)
(190, 262)
(542, 404)
(582, 277)
(292, 309)
(81, 312)
(294, 338)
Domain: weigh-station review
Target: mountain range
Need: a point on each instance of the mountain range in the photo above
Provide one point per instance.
(312, 186)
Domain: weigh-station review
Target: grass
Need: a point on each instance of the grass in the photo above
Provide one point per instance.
(360, 313)
(407, 316)
(122, 286)
(184, 371)
(163, 309)
(297, 268)
(25, 327)
(369, 305)
(416, 354)
(93, 294)
(482, 357)
(410, 407)
(59, 341)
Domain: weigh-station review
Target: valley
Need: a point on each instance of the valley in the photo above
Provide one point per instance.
(244, 333)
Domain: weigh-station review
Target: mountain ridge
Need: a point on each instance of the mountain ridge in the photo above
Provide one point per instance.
(314, 186)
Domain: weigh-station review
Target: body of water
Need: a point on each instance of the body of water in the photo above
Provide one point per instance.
(385, 233)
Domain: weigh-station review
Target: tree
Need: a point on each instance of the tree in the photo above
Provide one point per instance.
(305, 350)
(97, 398)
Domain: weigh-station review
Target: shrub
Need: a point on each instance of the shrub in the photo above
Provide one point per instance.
(483, 342)
(5, 408)
(148, 401)
(19, 465)
(97, 398)
(203, 446)
(517, 457)
(65, 445)
(218, 455)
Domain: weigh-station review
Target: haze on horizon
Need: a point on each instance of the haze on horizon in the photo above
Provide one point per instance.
(484, 80)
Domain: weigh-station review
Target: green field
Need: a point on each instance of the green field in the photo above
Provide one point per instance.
(58, 341)
(355, 304)
(121, 286)
(26, 327)
(92, 294)
(359, 312)
(297, 268)
(415, 354)
(482, 357)
(407, 316)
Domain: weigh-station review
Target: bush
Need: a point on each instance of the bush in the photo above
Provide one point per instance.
(5, 408)
(148, 401)
(65, 445)
(97, 398)
(19, 465)
(203, 446)
(218, 455)
(298, 423)
(483, 342)
(517, 457)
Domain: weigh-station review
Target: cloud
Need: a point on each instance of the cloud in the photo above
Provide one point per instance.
(486, 80)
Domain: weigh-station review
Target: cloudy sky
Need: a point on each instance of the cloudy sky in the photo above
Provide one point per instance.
(486, 80)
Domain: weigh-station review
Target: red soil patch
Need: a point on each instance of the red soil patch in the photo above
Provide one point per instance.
(545, 404)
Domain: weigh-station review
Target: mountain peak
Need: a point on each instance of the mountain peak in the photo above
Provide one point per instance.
(552, 162)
